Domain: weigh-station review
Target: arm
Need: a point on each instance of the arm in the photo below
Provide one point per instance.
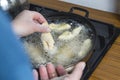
(14, 63)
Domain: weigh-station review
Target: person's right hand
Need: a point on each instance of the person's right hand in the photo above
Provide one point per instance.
(28, 22)
(50, 73)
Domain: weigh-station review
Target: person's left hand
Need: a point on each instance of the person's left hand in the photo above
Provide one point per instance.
(49, 72)
(28, 22)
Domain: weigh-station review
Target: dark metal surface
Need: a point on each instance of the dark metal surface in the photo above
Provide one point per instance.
(80, 9)
(80, 20)
(106, 35)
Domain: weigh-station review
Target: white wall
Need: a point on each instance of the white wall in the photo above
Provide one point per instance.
(105, 5)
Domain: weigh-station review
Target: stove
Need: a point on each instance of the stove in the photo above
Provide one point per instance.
(106, 35)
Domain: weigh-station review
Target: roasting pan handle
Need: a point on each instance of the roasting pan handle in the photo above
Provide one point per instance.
(80, 9)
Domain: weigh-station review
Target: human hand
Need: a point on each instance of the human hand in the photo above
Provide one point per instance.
(49, 72)
(28, 22)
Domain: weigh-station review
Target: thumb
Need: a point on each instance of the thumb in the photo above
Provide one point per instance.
(77, 73)
(40, 28)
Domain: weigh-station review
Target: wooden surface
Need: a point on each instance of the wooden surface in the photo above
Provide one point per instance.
(109, 67)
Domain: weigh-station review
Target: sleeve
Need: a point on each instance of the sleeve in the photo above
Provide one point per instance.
(14, 63)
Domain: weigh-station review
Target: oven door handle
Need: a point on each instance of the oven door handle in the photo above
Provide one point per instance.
(80, 9)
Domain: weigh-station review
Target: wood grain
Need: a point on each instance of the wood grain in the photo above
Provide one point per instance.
(94, 14)
(109, 67)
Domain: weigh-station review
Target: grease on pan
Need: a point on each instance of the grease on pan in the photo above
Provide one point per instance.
(67, 50)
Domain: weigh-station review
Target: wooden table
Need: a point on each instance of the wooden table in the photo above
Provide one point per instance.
(109, 67)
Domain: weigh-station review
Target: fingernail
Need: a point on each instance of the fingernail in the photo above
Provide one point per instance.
(41, 65)
(42, 68)
(35, 73)
(66, 78)
(49, 63)
(45, 28)
(83, 65)
(48, 29)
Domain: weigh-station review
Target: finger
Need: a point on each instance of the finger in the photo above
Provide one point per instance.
(51, 71)
(35, 74)
(40, 28)
(43, 73)
(77, 73)
(37, 16)
(61, 70)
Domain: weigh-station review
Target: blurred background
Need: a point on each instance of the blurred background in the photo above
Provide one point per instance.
(104, 5)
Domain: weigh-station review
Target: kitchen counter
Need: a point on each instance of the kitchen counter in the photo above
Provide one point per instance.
(109, 67)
